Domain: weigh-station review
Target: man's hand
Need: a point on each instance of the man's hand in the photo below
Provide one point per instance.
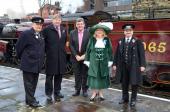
(83, 57)
(142, 69)
(78, 58)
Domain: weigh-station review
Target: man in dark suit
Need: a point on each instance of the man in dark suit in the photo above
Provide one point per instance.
(30, 48)
(129, 62)
(55, 41)
(78, 42)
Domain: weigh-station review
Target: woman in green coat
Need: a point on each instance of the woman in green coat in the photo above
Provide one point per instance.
(98, 58)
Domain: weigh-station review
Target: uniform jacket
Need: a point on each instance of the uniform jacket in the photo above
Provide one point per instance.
(95, 65)
(31, 51)
(55, 50)
(136, 60)
(74, 43)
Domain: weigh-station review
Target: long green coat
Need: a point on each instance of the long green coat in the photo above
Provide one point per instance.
(98, 68)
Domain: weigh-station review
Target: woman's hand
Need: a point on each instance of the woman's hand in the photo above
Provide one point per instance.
(87, 63)
(110, 63)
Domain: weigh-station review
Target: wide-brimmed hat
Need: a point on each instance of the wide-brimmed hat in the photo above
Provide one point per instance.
(106, 26)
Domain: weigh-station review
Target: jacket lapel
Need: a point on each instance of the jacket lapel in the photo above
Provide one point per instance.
(121, 44)
(33, 34)
(76, 39)
(132, 41)
(83, 40)
(52, 27)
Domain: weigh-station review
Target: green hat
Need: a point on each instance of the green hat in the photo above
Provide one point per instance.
(106, 26)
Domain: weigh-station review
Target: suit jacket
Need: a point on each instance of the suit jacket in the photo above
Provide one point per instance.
(74, 43)
(31, 51)
(55, 50)
(136, 55)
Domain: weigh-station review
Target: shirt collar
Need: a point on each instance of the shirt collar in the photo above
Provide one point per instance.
(80, 31)
(55, 26)
(128, 38)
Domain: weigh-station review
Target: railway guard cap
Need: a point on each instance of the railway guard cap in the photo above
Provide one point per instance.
(37, 20)
(128, 26)
(106, 26)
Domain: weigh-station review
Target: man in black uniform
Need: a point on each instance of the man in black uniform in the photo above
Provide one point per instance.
(129, 62)
(30, 49)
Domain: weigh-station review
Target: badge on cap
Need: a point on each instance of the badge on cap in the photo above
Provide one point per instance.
(37, 20)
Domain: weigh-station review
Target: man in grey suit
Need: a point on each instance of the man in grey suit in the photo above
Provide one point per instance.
(78, 42)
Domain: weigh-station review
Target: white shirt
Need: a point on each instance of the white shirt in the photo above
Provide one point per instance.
(128, 39)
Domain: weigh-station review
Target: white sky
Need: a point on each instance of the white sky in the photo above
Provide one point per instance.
(15, 9)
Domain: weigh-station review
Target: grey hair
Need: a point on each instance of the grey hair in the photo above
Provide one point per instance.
(56, 16)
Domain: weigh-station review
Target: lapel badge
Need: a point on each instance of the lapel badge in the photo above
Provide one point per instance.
(133, 40)
(120, 42)
(36, 36)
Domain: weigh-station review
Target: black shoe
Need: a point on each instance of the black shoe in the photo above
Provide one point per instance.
(34, 104)
(92, 99)
(101, 98)
(57, 99)
(123, 101)
(49, 98)
(59, 95)
(77, 93)
(27, 102)
(133, 103)
(85, 93)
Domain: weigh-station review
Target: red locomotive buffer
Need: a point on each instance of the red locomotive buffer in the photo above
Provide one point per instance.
(156, 39)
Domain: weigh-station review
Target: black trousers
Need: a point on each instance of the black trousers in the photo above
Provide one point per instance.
(53, 84)
(80, 72)
(125, 85)
(30, 84)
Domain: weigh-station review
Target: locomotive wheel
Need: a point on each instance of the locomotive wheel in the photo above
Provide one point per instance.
(147, 83)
